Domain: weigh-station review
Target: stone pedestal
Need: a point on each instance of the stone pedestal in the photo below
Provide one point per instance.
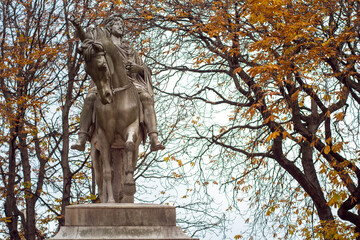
(120, 221)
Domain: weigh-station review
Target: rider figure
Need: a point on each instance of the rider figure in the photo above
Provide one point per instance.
(139, 74)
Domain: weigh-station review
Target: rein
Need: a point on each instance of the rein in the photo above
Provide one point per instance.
(88, 54)
(119, 89)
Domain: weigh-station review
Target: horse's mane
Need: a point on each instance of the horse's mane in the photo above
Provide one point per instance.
(96, 37)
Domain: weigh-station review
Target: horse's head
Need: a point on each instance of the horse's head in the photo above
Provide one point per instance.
(97, 67)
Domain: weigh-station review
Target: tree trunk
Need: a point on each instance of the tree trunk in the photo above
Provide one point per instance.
(67, 174)
(305, 181)
(66, 170)
(30, 199)
(11, 211)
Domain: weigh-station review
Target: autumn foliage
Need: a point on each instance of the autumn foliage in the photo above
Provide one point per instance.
(287, 74)
(258, 98)
(40, 82)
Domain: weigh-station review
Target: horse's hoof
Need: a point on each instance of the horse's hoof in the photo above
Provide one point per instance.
(129, 189)
(128, 199)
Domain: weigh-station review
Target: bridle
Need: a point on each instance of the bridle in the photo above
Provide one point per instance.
(88, 45)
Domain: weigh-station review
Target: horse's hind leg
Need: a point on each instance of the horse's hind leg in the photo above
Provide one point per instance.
(104, 146)
(129, 185)
(118, 173)
(97, 166)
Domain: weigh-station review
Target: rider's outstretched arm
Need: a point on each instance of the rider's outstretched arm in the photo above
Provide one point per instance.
(79, 30)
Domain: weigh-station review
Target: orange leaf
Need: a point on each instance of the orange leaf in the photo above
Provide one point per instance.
(327, 149)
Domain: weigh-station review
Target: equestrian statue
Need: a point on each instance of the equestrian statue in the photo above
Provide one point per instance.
(120, 107)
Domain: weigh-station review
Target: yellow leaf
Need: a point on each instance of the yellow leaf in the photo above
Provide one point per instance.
(223, 129)
(272, 136)
(270, 210)
(327, 97)
(327, 149)
(239, 69)
(271, 118)
(6, 219)
(286, 134)
(340, 116)
(295, 95)
(179, 162)
(291, 229)
(337, 147)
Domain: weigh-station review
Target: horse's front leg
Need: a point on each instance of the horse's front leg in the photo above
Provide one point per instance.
(104, 145)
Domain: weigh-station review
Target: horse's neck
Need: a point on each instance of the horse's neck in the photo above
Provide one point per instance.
(119, 78)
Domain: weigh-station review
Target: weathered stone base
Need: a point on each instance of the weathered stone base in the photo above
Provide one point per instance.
(120, 221)
(128, 233)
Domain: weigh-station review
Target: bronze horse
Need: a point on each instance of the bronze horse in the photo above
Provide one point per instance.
(117, 113)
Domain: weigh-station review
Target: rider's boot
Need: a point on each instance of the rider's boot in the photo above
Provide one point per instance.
(80, 143)
(85, 120)
(150, 121)
(155, 144)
